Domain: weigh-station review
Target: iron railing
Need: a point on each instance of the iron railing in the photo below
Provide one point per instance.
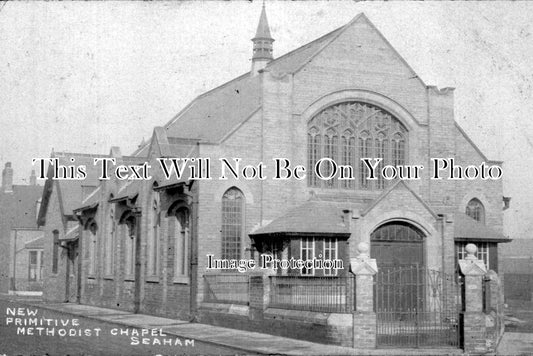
(227, 288)
(317, 294)
(416, 307)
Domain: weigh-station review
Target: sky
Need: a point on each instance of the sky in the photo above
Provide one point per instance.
(85, 76)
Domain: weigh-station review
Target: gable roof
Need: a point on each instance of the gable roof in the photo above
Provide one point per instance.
(399, 183)
(70, 192)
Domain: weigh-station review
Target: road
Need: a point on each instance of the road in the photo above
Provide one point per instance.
(84, 336)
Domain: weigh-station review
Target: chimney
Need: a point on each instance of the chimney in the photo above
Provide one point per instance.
(7, 178)
(33, 178)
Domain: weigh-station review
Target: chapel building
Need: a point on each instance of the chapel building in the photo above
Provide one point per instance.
(144, 245)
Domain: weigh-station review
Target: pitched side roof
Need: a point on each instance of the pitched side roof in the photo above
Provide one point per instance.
(466, 228)
(310, 218)
(212, 115)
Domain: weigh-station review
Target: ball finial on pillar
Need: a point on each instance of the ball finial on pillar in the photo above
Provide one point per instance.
(363, 248)
(471, 250)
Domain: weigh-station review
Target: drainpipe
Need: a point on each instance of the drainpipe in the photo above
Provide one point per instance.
(441, 218)
(14, 280)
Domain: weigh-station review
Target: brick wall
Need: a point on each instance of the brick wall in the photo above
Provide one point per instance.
(54, 283)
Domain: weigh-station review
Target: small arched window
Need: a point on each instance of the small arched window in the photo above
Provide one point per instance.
(93, 228)
(128, 231)
(181, 243)
(232, 223)
(476, 210)
(153, 243)
(55, 251)
(110, 242)
(347, 132)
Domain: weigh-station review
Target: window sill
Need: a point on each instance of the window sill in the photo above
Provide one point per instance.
(109, 278)
(152, 279)
(181, 280)
(129, 279)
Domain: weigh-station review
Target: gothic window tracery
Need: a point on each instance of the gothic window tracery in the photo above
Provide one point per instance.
(349, 131)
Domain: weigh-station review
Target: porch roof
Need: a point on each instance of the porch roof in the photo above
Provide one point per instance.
(310, 218)
(466, 229)
(91, 201)
(71, 235)
(129, 190)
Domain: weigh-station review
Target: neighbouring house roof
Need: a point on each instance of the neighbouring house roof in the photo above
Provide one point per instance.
(310, 218)
(466, 228)
(18, 208)
(38, 243)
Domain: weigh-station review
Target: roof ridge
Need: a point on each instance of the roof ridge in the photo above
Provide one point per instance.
(305, 46)
(88, 155)
(331, 40)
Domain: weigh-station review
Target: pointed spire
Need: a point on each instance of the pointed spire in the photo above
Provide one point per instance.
(263, 30)
(262, 50)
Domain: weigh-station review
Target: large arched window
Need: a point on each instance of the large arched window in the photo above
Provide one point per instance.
(347, 132)
(232, 223)
(476, 210)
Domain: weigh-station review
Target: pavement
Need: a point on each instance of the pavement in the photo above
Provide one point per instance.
(516, 344)
(252, 342)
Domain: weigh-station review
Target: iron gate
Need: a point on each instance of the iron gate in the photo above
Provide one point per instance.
(416, 307)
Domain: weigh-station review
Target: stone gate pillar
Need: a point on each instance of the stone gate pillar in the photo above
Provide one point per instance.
(473, 318)
(364, 318)
(259, 293)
